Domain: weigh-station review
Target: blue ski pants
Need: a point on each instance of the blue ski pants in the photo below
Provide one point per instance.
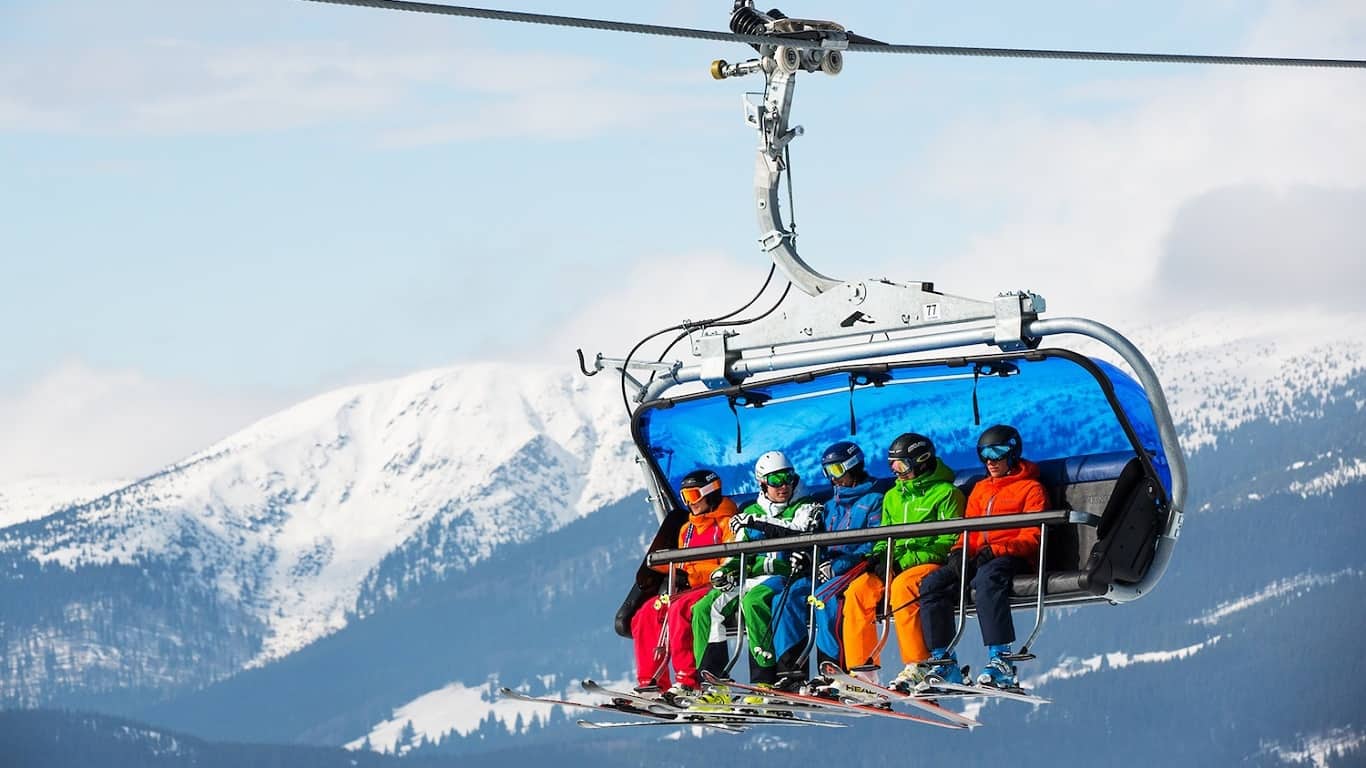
(789, 626)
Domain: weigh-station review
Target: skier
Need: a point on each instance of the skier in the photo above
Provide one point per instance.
(662, 628)
(924, 492)
(1011, 487)
(779, 510)
(854, 504)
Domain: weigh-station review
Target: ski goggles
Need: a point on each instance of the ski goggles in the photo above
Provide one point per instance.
(837, 469)
(900, 466)
(994, 452)
(694, 495)
(780, 478)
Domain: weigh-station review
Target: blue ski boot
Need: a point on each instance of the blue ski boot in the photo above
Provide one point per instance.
(999, 672)
(946, 672)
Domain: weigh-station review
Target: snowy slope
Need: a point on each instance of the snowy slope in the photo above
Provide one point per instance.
(33, 498)
(1220, 370)
(291, 514)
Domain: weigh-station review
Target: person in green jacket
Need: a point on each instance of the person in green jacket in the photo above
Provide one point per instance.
(781, 509)
(924, 492)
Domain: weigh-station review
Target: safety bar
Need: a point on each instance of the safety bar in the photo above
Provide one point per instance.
(861, 535)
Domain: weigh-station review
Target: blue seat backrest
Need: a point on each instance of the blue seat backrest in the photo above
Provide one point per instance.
(1057, 474)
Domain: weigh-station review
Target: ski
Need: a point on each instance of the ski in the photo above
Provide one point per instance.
(737, 705)
(708, 712)
(945, 690)
(617, 707)
(601, 725)
(687, 705)
(830, 704)
(894, 696)
(722, 721)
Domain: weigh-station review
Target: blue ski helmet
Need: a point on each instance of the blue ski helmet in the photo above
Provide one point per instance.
(839, 458)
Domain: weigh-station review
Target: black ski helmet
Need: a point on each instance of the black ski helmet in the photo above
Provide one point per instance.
(1000, 441)
(841, 458)
(703, 481)
(916, 450)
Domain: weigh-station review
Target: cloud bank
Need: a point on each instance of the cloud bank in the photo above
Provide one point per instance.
(84, 423)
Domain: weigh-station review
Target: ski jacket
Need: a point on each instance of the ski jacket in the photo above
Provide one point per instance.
(801, 515)
(1013, 494)
(702, 531)
(855, 506)
(922, 499)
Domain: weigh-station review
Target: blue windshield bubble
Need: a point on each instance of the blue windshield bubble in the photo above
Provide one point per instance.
(1055, 402)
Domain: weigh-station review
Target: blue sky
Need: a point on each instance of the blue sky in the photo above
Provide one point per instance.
(213, 210)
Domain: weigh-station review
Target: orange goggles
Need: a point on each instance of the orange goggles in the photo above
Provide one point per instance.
(694, 495)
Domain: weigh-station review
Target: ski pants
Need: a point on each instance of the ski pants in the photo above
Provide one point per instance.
(791, 611)
(861, 603)
(990, 584)
(654, 645)
(711, 613)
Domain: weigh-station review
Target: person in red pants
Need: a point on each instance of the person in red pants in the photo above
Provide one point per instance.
(662, 628)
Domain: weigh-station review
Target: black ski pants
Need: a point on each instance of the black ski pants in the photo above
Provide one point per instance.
(990, 583)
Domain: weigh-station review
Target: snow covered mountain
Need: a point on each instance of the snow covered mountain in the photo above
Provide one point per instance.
(301, 519)
(32, 498)
(322, 522)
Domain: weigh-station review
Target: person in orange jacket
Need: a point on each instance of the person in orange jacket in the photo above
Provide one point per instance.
(1011, 487)
(662, 628)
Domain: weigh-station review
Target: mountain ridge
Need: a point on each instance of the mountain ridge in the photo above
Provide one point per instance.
(324, 513)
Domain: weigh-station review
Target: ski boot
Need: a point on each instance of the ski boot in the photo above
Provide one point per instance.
(713, 698)
(757, 699)
(946, 672)
(647, 689)
(791, 682)
(999, 672)
(908, 678)
(681, 695)
(823, 687)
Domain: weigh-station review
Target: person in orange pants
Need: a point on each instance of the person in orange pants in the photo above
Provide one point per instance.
(924, 492)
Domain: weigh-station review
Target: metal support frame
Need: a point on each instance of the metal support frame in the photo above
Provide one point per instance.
(1024, 654)
(888, 620)
(741, 647)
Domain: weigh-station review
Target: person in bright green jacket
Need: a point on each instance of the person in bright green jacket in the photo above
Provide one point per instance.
(924, 492)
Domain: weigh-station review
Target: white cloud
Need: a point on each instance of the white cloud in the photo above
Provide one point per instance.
(1087, 199)
(186, 87)
(662, 291)
(83, 424)
(1268, 247)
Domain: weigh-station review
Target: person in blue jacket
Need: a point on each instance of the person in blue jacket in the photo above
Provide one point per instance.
(854, 505)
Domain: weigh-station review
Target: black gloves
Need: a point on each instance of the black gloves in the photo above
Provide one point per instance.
(824, 571)
(877, 564)
(984, 555)
(723, 579)
(740, 522)
(954, 562)
(800, 562)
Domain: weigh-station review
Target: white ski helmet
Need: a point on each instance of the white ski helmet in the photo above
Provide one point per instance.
(773, 461)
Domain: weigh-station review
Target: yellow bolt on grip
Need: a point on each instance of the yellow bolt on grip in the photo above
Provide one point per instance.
(813, 600)
(661, 601)
(718, 69)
